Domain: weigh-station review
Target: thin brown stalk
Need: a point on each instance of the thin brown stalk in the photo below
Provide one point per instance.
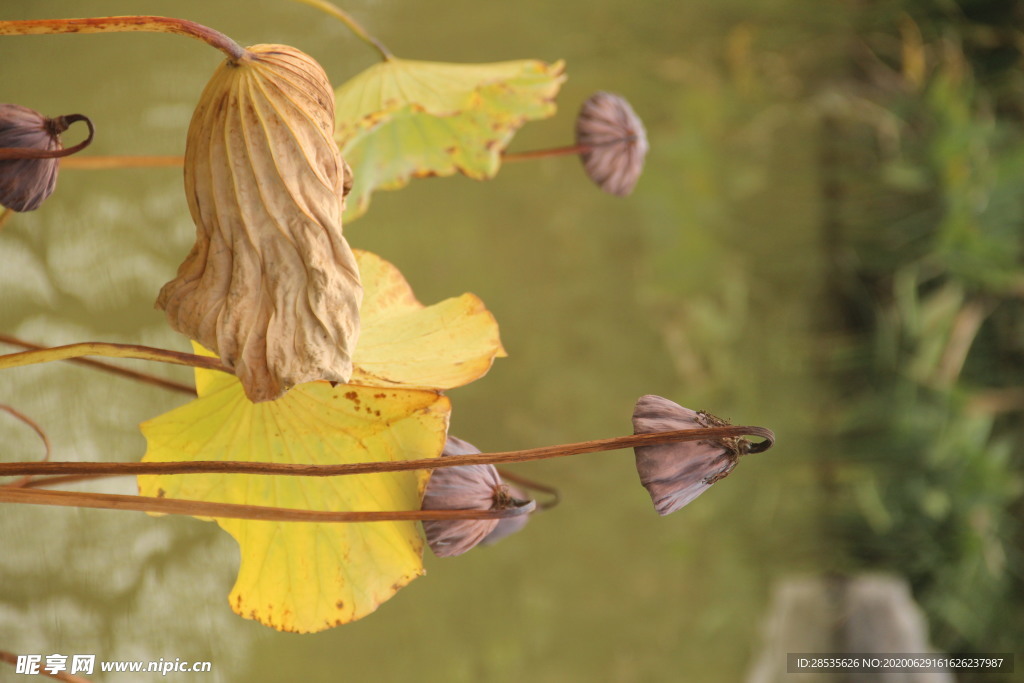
(37, 429)
(150, 24)
(5, 215)
(107, 367)
(569, 150)
(102, 163)
(544, 153)
(532, 485)
(197, 508)
(289, 469)
(61, 124)
(41, 482)
(353, 25)
(13, 360)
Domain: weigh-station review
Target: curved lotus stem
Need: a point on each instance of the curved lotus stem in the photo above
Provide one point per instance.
(107, 367)
(58, 124)
(149, 24)
(70, 351)
(351, 23)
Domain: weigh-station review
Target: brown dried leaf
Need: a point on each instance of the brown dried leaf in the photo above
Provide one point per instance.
(271, 285)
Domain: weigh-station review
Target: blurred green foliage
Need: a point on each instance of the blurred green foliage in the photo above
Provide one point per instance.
(925, 223)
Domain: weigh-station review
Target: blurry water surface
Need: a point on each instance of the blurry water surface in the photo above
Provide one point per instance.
(704, 286)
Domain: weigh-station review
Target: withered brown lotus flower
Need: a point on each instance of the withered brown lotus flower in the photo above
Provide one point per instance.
(676, 473)
(614, 142)
(30, 151)
(466, 487)
(271, 285)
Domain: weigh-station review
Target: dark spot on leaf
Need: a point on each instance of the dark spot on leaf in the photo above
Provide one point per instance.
(380, 395)
(160, 493)
(377, 413)
(340, 604)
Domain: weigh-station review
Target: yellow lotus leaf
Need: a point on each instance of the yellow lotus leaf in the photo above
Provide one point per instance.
(306, 577)
(403, 118)
(408, 345)
(297, 576)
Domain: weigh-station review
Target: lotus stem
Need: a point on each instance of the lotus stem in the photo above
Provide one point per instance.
(352, 24)
(532, 485)
(570, 150)
(13, 360)
(150, 24)
(544, 153)
(107, 367)
(62, 123)
(197, 508)
(290, 469)
(102, 163)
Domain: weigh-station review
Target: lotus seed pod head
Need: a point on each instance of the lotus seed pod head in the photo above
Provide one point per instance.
(271, 286)
(466, 487)
(25, 183)
(617, 143)
(674, 474)
(506, 526)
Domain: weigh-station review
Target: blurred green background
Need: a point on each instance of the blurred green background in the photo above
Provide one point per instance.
(826, 241)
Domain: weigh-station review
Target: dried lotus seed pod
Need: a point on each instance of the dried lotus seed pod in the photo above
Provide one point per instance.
(465, 487)
(676, 473)
(616, 143)
(30, 151)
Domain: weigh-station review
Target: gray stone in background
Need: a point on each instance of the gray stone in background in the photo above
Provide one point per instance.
(861, 614)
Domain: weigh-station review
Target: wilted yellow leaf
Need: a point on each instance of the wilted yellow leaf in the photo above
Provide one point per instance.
(402, 118)
(307, 577)
(408, 345)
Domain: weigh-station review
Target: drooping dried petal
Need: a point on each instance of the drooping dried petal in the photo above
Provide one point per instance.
(466, 487)
(30, 151)
(676, 473)
(617, 140)
(271, 285)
